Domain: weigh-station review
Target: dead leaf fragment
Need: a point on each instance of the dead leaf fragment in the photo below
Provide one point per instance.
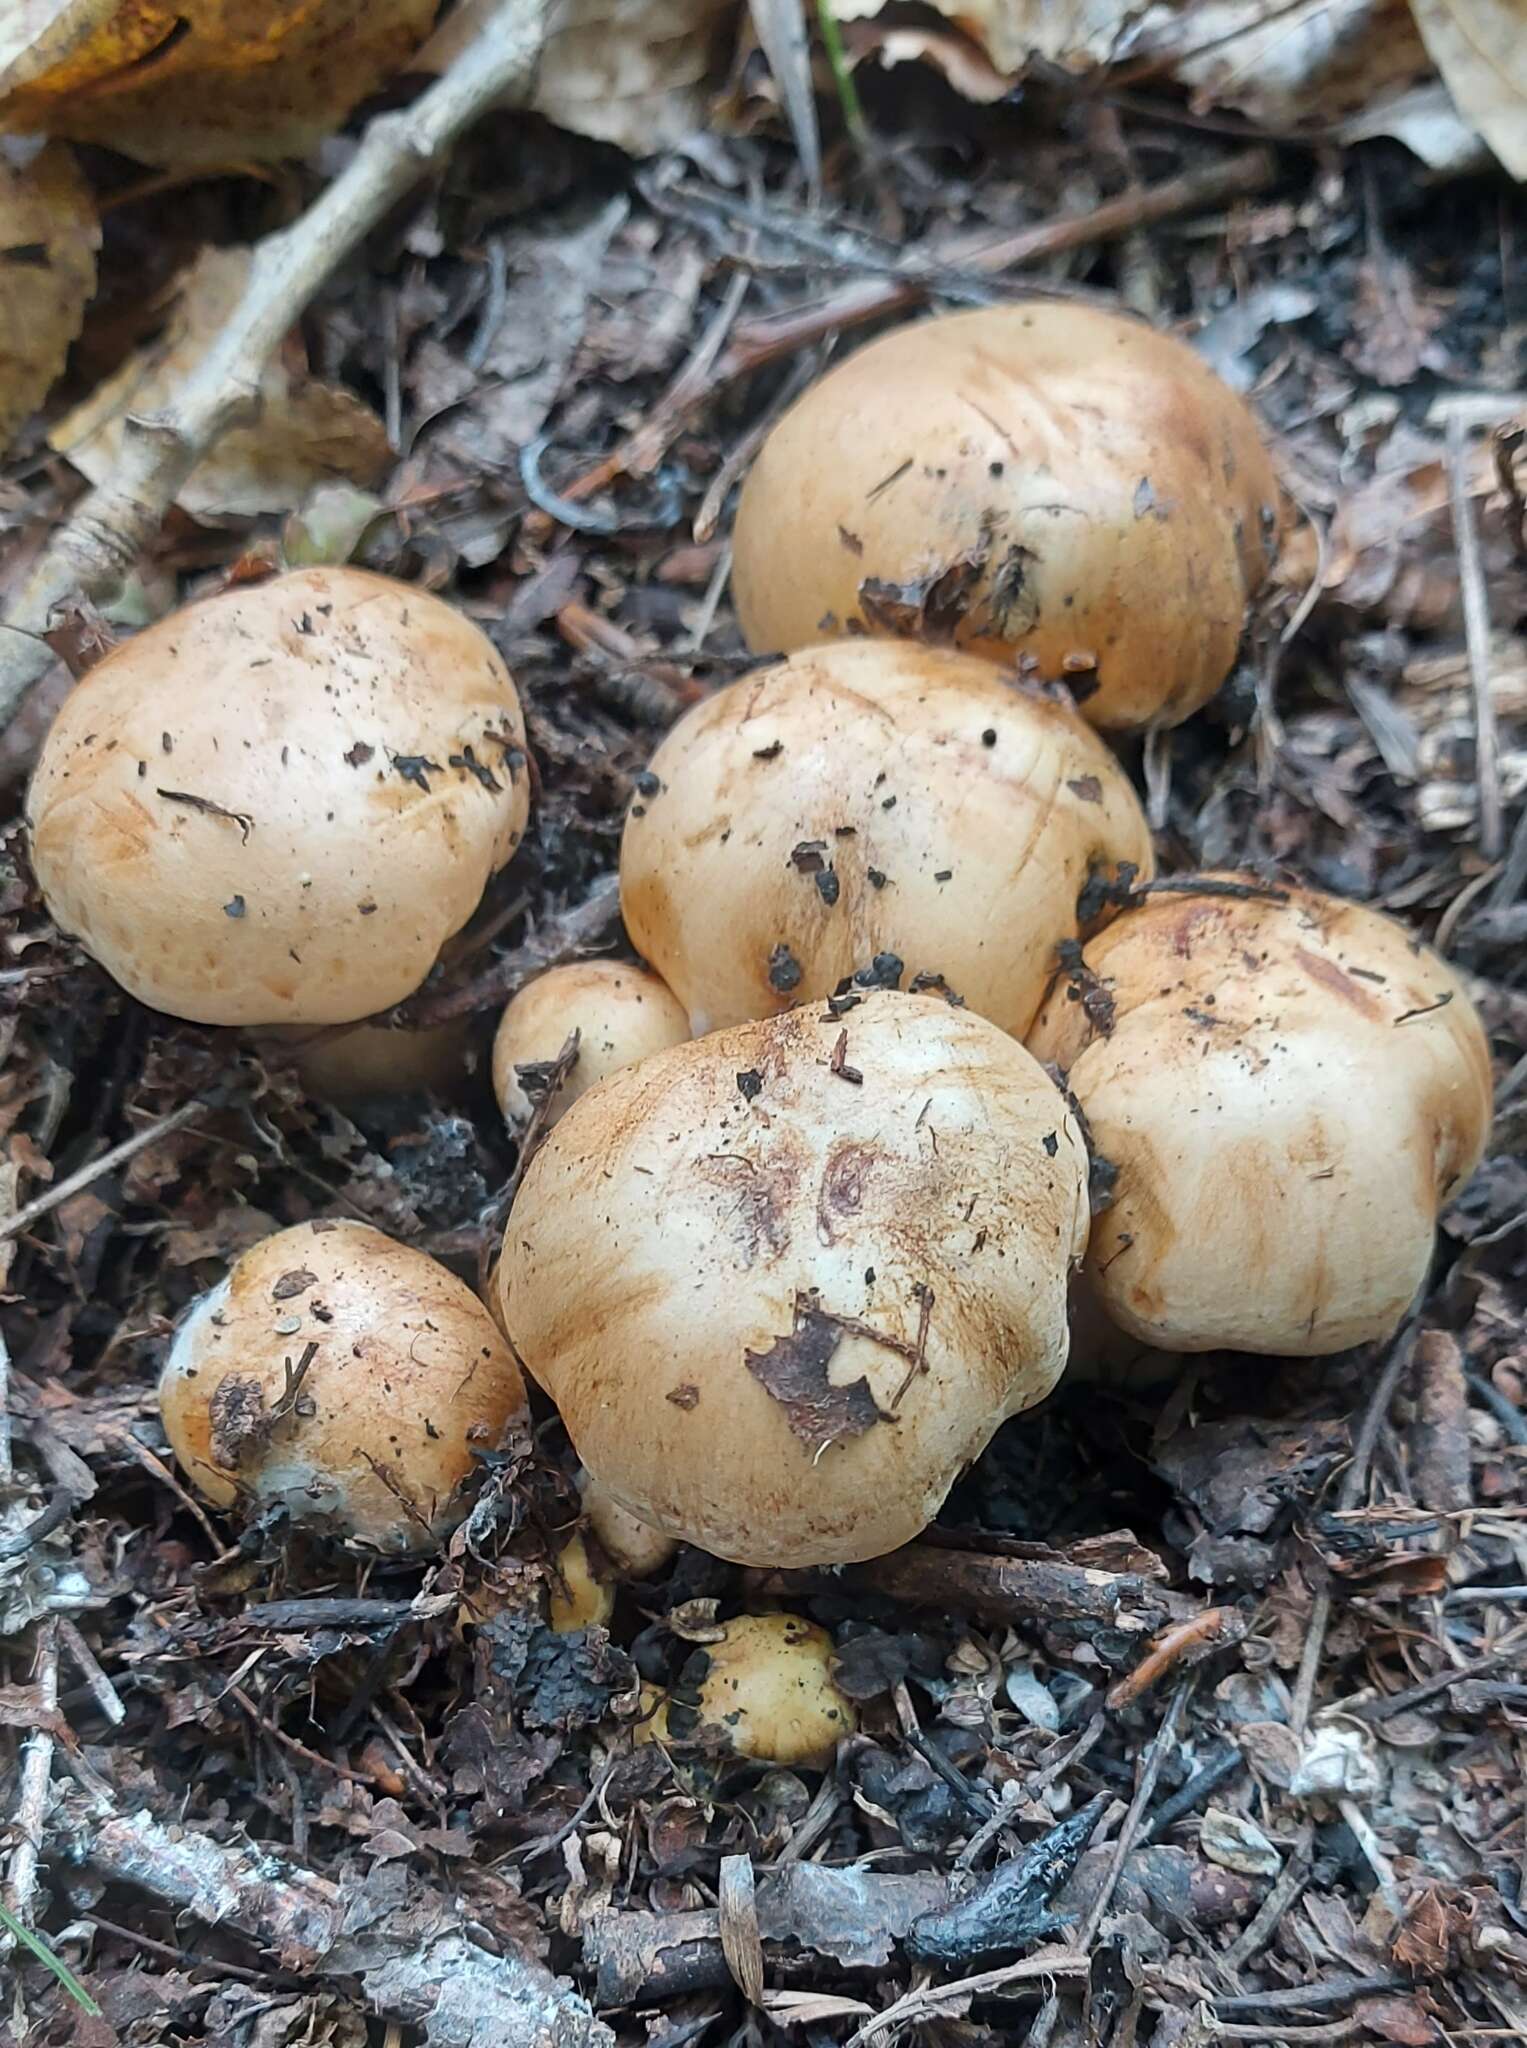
(1480, 47)
(794, 1371)
(307, 433)
(48, 238)
(631, 72)
(200, 81)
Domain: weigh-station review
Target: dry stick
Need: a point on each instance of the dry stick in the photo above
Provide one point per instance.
(36, 1778)
(1476, 627)
(113, 524)
(763, 340)
(108, 1162)
(418, 1967)
(937, 2001)
(1354, 1480)
(560, 938)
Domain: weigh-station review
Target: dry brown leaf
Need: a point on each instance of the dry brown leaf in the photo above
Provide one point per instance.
(1480, 47)
(200, 81)
(631, 72)
(307, 433)
(48, 238)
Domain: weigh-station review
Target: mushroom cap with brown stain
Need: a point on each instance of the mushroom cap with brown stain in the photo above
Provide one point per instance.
(784, 1282)
(768, 1689)
(864, 799)
(408, 1381)
(621, 1013)
(1046, 481)
(1289, 1092)
(275, 806)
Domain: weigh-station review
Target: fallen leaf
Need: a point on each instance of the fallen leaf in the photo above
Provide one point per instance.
(632, 72)
(48, 238)
(201, 81)
(1480, 47)
(307, 433)
(794, 1371)
(1235, 1843)
(1404, 2020)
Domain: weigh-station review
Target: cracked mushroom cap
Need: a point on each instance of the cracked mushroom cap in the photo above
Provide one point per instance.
(785, 1281)
(1044, 481)
(621, 1014)
(1289, 1091)
(871, 807)
(274, 807)
(408, 1378)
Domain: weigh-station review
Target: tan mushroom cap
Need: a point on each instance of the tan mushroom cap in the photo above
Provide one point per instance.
(622, 1014)
(784, 1282)
(275, 806)
(634, 1547)
(1289, 1092)
(410, 1378)
(867, 798)
(769, 1690)
(1043, 480)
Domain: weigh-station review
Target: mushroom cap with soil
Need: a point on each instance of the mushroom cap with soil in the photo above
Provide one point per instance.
(1288, 1091)
(766, 1687)
(621, 1014)
(784, 1282)
(275, 806)
(871, 807)
(1044, 481)
(344, 1377)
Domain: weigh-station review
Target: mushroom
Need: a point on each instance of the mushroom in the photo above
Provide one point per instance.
(1044, 482)
(765, 1687)
(620, 1014)
(1288, 1088)
(275, 806)
(371, 1060)
(871, 807)
(634, 1548)
(344, 1377)
(577, 1597)
(784, 1282)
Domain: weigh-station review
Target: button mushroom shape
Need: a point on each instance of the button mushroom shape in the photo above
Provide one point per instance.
(765, 1686)
(1044, 481)
(621, 1014)
(1288, 1091)
(785, 1281)
(275, 806)
(344, 1377)
(871, 807)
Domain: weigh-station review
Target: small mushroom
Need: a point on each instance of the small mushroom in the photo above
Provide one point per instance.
(634, 1548)
(369, 1060)
(766, 1688)
(621, 1014)
(577, 1597)
(874, 808)
(1287, 1091)
(784, 1282)
(1045, 482)
(344, 1377)
(275, 806)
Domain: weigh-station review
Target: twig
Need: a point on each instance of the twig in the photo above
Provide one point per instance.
(1287, 1888)
(560, 938)
(1401, 1352)
(419, 1967)
(36, 1778)
(107, 1698)
(1476, 628)
(936, 2001)
(107, 1162)
(1333, 1990)
(112, 524)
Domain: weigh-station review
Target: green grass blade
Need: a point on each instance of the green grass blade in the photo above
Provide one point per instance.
(49, 1961)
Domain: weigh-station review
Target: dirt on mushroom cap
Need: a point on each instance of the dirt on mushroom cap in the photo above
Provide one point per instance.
(1045, 480)
(681, 1228)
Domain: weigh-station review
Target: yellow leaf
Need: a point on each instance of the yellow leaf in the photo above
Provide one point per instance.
(199, 81)
(48, 238)
(307, 433)
(1480, 47)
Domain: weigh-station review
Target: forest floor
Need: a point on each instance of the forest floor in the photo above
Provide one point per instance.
(1311, 1821)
